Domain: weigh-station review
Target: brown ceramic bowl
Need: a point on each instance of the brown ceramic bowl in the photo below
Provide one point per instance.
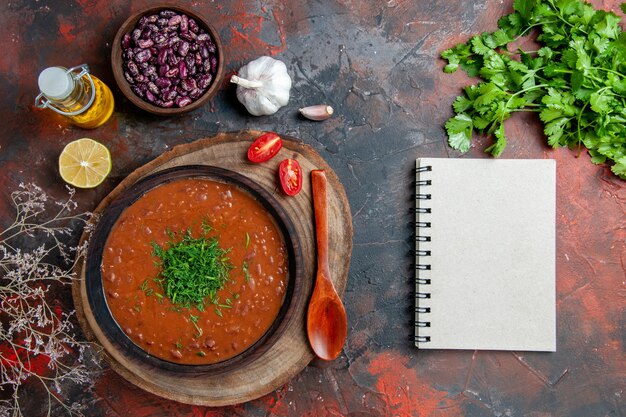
(113, 338)
(117, 61)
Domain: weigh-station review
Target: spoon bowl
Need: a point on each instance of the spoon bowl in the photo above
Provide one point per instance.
(327, 324)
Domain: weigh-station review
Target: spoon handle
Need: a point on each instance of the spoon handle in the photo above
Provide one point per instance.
(320, 204)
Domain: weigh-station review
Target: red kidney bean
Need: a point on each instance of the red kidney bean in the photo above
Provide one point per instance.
(137, 90)
(196, 93)
(136, 34)
(170, 94)
(193, 26)
(163, 69)
(145, 43)
(183, 101)
(204, 51)
(174, 20)
(129, 77)
(159, 38)
(126, 41)
(133, 68)
(167, 104)
(153, 18)
(162, 56)
(188, 84)
(190, 61)
(167, 13)
(172, 59)
(172, 72)
(143, 56)
(213, 60)
(162, 82)
(206, 65)
(162, 22)
(153, 88)
(150, 97)
(142, 22)
(205, 80)
(182, 69)
(211, 46)
(151, 70)
(183, 48)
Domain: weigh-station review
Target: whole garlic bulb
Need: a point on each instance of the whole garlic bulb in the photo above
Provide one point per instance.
(263, 85)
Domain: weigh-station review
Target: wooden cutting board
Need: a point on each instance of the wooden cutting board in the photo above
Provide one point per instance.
(291, 353)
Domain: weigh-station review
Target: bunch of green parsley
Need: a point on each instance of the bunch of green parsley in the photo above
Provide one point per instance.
(576, 80)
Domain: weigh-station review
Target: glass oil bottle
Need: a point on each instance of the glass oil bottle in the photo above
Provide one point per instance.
(76, 94)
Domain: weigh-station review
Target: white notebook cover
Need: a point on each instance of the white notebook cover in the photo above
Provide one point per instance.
(492, 254)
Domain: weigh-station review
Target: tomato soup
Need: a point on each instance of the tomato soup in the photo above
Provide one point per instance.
(242, 311)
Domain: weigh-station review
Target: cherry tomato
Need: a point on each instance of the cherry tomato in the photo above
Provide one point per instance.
(290, 175)
(265, 147)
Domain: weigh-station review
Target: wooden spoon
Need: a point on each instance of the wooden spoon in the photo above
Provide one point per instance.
(327, 325)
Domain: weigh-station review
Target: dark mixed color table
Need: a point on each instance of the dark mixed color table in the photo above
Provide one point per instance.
(376, 63)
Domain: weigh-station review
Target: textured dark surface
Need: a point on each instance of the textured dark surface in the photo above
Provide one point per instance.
(377, 64)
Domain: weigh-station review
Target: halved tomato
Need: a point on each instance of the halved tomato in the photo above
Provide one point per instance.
(290, 175)
(265, 147)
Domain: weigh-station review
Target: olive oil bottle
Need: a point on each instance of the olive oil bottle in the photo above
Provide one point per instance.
(76, 94)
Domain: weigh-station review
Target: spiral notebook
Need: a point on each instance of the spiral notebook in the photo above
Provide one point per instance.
(485, 254)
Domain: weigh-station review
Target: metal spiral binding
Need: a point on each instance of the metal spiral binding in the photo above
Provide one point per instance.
(420, 339)
(418, 266)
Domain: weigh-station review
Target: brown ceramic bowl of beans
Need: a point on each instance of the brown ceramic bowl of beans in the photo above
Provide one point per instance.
(167, 60)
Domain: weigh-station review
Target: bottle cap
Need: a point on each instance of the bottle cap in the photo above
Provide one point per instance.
(55, 83)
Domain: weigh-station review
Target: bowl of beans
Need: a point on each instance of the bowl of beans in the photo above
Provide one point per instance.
(167, 60)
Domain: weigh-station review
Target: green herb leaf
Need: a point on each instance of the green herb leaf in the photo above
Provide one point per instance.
(459, 130)
(246, 274)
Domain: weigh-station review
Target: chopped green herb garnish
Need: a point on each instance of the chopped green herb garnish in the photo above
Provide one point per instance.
(246, 274)
(247, 240)
(201, 353)
(194, 321)
(149, 292)
(206, 227)
(192, 269)
(236, 296)
(178, 345)
(218, 312)
(144, 285)
(137, 308)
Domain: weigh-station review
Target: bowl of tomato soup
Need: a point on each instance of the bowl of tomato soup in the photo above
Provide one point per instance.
(193, 267)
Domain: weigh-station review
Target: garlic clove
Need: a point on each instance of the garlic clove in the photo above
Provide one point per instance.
(318, 112)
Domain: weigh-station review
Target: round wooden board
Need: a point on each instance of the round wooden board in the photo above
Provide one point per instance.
(292, 352)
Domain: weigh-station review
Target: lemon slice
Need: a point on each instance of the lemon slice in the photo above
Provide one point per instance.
(84, 163)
